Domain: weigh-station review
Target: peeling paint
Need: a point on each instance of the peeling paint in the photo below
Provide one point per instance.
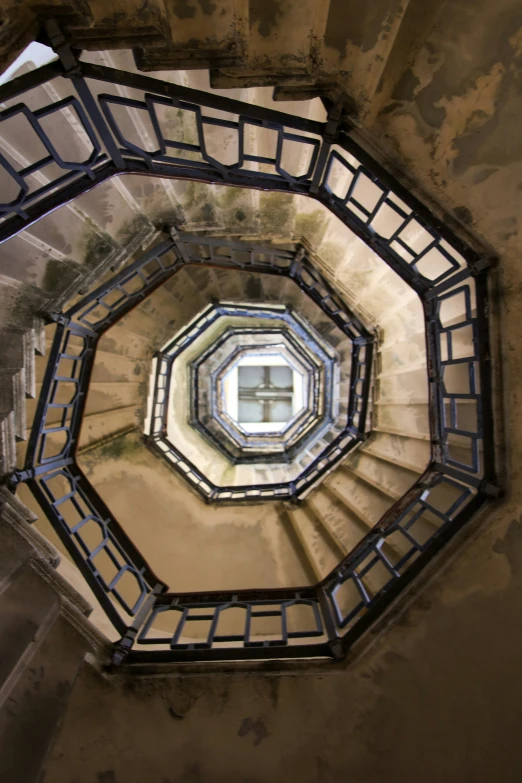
(264, 14)
(362, 26)
(253, 726)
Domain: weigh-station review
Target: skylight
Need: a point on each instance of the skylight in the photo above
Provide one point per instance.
(34, 56)
(262, 393)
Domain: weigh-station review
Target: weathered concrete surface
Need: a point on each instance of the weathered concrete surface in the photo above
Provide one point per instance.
(447, 116)
(436, 698)
(44, 638)
(37, 702)
(188, 544)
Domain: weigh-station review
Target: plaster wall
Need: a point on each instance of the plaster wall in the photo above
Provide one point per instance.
(435, 697)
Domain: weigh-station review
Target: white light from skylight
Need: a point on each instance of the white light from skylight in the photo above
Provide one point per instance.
(231, 392)
(36, 55)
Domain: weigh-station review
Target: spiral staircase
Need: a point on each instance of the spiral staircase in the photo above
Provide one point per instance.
(339, 546)
(313, 536)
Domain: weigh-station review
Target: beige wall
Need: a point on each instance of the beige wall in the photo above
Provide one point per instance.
(436, 698)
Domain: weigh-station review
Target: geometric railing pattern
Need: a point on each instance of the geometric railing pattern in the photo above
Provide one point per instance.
(325, 619)
(211, 378)
(210, 415)
(349, 434)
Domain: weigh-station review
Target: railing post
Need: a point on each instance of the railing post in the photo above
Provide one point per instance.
(329, 137)
(73, 70)
(334, 641)
(125, 644)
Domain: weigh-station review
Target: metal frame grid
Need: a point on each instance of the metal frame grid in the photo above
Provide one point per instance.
(159, 441)
(438, 268)
(351, 434)
(208, 413)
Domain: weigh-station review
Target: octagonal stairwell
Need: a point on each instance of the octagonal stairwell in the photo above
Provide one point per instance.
(264, 545)
(194, 444)
(429, 85)
(268, 545)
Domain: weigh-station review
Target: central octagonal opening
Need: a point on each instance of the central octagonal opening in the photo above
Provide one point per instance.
(263, 392)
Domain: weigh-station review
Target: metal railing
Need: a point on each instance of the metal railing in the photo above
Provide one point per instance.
(209, 414)
(349, 435)
(325, 619)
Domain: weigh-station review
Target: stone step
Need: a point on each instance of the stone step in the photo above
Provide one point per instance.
(12, 349)
(18, 349)
(12, 398)
(405, 369)
(31, 261)
(318, 548)
(413, 419)
(358, 520)
(408, 383)
(390, 341)
(387, 459)
(19, 539)
(348, 528)
(232, 286)
(369, 286)
(45, 635)
(386, 475)
(30, 347)
(95, 427)
(141, 322)
(245, 475)
(192, 288)
(120, 339)
(426, 525)
(395, 357)
(104, 397)
(163, 307)
(111, 206)
(76, 231)
(359, 496)
(7, 443)
(109, 367)
(401, 433)
(155, 197)
(305, 50)
(39, 336)
(20, 302)
(410, 453)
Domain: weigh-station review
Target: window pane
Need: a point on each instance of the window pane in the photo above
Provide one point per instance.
(250, 411)
(281, 377)
(281, 410)
(250, 377)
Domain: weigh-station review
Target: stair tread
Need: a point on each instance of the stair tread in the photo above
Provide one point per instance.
(395, 495)
(393, 460)
(369, 518)
(401, 433)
